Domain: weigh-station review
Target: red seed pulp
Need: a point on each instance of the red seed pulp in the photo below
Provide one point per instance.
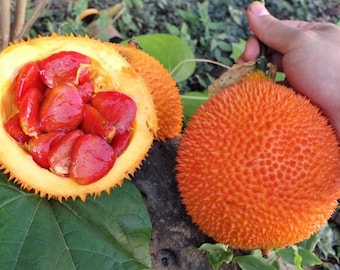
(59, 156)
(92, 157)
(63, 124)
(14, 129)
(29, 111)
(117, 107)
(65, 67)
(61, 109)
(96, 123)
(29, 76)
(40, 146)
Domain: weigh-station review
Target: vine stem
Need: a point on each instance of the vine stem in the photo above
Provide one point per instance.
(197, 60)
(261, 62)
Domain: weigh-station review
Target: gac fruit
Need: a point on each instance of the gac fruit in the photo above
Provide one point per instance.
(258, 166)
(164, 90)
(76, 117)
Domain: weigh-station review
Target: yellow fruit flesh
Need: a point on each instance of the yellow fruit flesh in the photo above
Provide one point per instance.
(110, 72)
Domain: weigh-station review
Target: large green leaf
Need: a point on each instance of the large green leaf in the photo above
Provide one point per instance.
(175, 55)
(106, 232)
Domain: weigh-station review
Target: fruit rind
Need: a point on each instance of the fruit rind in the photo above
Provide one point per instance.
(112, 72)
(163, 87)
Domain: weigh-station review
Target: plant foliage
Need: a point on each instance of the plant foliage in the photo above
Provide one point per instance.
(107, 232)
(113, 231)
(307, 253)
(171, 51)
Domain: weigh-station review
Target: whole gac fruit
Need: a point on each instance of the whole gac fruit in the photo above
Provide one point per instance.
(163, 88)
(258, 166)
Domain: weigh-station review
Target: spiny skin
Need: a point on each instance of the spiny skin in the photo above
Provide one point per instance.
(163, 88)
(258, 166)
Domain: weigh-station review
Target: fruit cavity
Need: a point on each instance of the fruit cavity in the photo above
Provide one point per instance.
(65, 126)
(71, 64)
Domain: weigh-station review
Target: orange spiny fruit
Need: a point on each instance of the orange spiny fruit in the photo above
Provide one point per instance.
(163, 87)
(258, 166)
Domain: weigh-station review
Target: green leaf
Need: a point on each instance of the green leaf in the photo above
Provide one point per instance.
(308, 257)
(325, 244)
(175, 55)
(287, 254)
(110, 231)
(217, 254)
(298, 256)
(310, 243)
(236, 14)
(191, 102)
(172, 29)
(237, 49)
(251, 262)
(280, 76)
(79, 7)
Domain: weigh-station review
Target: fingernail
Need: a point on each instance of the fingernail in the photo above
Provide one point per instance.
(258, 9)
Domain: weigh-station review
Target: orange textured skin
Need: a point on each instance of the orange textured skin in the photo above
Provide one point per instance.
(258, 166)
(164, 90)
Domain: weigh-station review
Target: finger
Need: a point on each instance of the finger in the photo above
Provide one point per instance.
(251, 50)
(271, 31)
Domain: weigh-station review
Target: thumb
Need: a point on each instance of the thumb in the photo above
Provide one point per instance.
(274, 33)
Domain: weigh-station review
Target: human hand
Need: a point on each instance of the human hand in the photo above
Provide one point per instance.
(307, 52)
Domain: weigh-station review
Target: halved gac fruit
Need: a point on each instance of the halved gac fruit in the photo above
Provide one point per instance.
(66, 65)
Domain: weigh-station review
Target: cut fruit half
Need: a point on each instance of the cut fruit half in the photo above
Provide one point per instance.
(102, 69)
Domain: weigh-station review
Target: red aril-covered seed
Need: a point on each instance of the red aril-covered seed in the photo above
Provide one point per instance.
(86, 91)
(65, 67)
(92, 158)
(96, 123)
(120, 142)
(29, 76)
(59, 157)
(117, 107)
(14, 129)
(61, 109)
(29, 112)
(40, 146)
